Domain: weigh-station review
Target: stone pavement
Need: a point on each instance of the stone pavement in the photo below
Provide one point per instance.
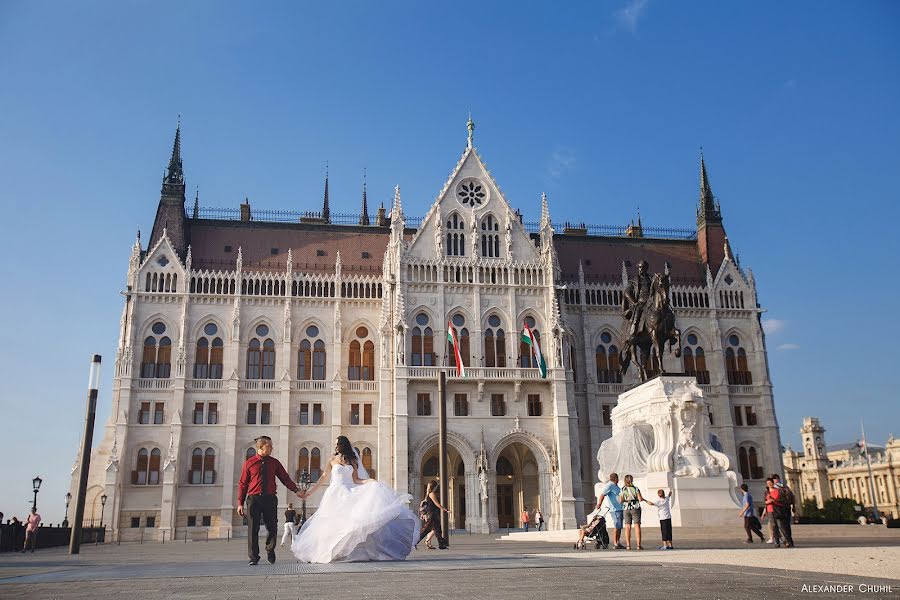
(477, 566)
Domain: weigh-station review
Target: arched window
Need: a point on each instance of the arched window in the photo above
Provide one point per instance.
(208, 358)
(606, 357)
(250, 453)
(456, 237)
(156, 361)
(748, 460)
(494, 343)
(353, 368)
(319, 360)
(304, 361)
(310, 355)
(315, 464)
(146, 469)
(422, 342)
(261, 355)
(490, 237)
(368, 461)
(736, 363)
(527, 359)
(203, 466)
(368, 361)
(462, 333)
(694, 359)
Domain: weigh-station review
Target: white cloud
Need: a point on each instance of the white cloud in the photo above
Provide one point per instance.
(773, 326)
(562, 160)
(788, 347)
(629, 15)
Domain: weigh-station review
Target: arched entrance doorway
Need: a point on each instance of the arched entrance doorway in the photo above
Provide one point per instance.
(456, 484)
(518, 485)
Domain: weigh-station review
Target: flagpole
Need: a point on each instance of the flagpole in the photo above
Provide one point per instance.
(442, 455)
(869, 465)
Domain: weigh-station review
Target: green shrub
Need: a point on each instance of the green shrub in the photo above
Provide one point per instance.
(839, 509)
(811, 509)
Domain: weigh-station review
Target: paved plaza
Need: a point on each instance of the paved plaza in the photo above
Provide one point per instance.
(711, 565)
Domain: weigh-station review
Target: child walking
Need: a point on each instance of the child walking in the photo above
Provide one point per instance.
(663, 506)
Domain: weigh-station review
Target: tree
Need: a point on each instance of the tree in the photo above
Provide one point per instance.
(840, 509)
(811, 509)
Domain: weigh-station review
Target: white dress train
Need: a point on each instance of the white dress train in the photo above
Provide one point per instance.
(357, 523)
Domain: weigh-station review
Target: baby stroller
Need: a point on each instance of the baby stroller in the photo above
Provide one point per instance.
(598, 534)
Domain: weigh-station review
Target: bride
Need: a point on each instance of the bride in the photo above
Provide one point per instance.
(358, 518)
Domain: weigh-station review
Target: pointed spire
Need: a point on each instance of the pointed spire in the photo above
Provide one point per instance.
(580, 272)
(175, 172)
(470, 125)
(707, 209)
(397, 209)
(364, 217)
(545, 210)
(196, 214)
(728, 255)
(326, 211)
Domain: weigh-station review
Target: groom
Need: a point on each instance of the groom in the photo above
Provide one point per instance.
(257, 486)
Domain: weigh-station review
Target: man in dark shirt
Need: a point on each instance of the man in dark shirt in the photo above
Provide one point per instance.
(257, 487)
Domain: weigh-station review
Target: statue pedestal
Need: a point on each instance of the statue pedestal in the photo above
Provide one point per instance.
(661, 438)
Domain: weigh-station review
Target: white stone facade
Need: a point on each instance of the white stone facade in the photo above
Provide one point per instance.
(494, 275)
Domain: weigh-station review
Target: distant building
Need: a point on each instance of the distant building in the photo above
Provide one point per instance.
(308, 325)
(821, 472)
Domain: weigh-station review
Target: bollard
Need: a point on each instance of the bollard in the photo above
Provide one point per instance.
(142, 536)
(229, 536)
(207, 535)
(164, 536)
(120, 537)
(185, 536)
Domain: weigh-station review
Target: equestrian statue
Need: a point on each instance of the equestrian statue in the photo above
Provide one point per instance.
(649, 323)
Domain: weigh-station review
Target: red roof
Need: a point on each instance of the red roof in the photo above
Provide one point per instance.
(602, 258)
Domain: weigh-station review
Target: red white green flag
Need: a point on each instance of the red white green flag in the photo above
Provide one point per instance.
(529, 338)
(453, 338)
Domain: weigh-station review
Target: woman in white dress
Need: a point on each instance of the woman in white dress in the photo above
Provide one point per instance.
(358, 519)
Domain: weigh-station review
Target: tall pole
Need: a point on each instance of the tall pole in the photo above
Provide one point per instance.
(86, 443)
(442, 453)
(869, 465)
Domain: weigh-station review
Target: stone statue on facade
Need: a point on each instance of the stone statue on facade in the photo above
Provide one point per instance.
(509, 249)
(649, 323)
(439, 238)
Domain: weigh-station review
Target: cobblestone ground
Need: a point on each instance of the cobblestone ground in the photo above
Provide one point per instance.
(475, 567)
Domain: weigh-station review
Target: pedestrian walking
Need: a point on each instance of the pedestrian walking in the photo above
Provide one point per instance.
(783, 503)
(664, 508)
(631, 499)
(290, 529)
(610, 491)
(31, 529)
(430, 510)
(539, 518)
(525, 518)
(751, 523)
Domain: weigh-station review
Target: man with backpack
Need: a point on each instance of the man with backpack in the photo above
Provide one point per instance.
(784, 504)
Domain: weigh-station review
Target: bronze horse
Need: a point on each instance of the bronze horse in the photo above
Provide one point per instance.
(657, 327)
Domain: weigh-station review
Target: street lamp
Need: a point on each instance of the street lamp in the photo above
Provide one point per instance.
(65, 522)
(102, 509)
(85, 462)
(36, 483)
(304, 486)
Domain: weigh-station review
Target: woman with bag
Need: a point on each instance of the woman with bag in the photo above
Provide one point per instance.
(430, 513)
(631, 499)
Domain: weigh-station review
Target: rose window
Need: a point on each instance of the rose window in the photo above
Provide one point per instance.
(471, 193)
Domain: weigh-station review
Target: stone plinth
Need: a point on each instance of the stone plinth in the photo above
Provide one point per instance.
(661, 438)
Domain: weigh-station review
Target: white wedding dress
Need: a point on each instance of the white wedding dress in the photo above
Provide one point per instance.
(357, 523)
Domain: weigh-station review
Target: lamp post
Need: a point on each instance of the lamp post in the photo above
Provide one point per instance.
(86, 443)
(102, 508)
(36, 483)
(65, 522)
(304, 485)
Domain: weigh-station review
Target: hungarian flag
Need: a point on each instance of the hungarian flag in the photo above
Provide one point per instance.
(529, 338)
(453, 338)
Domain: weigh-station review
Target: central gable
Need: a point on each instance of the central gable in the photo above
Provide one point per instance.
(471, 219)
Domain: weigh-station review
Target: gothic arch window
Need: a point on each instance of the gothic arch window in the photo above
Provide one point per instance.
(526, 356)
(422, 342)
(156, 360)
(367, 457)
(736, 362)
(748, 461)
(490, 237)
(361, 366)
(310, 460)
(311, 356)
(208, 356)
(146, 469)
(494, 343)
(261, 355)
(203, 466)
(456, 236)
(459, 322)
(694, 359)
(606, 357)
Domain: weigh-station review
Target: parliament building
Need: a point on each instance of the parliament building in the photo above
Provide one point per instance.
(304, 326)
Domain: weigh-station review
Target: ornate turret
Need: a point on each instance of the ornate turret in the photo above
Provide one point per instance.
(470, 126)
(710, 232)
(364, 215)
(170, 213)
(326, 210)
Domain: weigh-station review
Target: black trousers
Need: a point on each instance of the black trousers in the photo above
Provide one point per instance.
(434, 523)
(751, 526)
(665, 529)
(262, 509)
(784, 523)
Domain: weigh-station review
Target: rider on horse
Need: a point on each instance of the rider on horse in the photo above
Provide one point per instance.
(636, 297)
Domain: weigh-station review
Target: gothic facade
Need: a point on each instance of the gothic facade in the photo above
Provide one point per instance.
(245, 324)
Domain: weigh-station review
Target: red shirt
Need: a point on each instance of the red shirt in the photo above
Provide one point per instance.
(251, 482)
(773, 494)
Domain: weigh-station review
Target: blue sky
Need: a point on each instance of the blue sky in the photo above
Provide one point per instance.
(604, 106)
